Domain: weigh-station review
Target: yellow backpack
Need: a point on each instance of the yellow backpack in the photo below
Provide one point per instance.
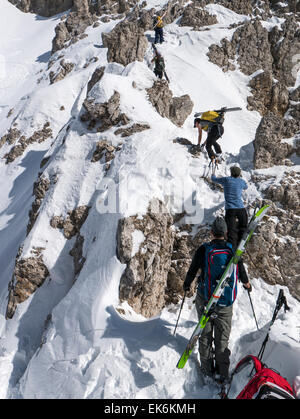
(160, 22)
(209, 118)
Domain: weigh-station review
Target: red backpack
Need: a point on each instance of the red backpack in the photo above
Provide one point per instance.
(265, 384)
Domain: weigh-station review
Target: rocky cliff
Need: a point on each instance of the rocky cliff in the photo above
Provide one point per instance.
(154, 273)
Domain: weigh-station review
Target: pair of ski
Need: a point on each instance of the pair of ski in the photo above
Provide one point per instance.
(209, 309)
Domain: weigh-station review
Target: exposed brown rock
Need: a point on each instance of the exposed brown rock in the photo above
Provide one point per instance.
(126, 43)
(269, 150)
(23, 142)
(65, 68)
(39, 191)
(71, 225)
(177, 109)
(103, 116)
(144, 280)
(196, 17)
(45, 8)
(29, 274)
(126, 132)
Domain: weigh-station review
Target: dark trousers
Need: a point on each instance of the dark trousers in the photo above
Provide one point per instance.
(159, 35)
(237, 222)
(214, 134)
(158, 73)
(217, 332)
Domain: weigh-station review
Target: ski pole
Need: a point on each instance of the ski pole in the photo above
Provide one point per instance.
(281, 301)
(179, 312)
(252, 308)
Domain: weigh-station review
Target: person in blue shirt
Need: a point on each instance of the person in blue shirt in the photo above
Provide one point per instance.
(235, 213)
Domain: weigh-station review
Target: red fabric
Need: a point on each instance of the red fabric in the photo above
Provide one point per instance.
(262, 376)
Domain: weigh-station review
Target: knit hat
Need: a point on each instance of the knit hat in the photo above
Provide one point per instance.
(235, 171)
(219, 227)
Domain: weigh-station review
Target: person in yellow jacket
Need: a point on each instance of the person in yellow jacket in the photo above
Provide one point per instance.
(158, 28)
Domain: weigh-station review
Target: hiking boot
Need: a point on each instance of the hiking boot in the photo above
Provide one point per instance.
(221, 379)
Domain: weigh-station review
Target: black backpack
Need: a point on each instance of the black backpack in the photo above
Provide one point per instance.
(159, 63)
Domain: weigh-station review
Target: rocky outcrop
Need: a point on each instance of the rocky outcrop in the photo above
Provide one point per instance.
(96, 77)
(71, 225)
(177, 109)
(145, 244)
(102, 116)
(250, 42)
(64, 69)
(126, 43)
(133, 129)
(11, 137)
(269, 149)
(23, 142)
(45, 8)
(196, 17)
(274, 254)
(104, 153)
(268, 95)
(29, 274)
(40, 188)
(73, 27)
(77, 254)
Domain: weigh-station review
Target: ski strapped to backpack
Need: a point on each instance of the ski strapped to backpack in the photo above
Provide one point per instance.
(218, 291)
(219, 111)
(210, 118)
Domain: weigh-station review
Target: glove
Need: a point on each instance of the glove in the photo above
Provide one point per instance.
(186, 287)
(249, 289)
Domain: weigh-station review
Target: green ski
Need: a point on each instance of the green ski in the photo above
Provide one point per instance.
(256, 218)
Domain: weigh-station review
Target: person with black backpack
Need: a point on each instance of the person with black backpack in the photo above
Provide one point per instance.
(159, 64)
(212, 258)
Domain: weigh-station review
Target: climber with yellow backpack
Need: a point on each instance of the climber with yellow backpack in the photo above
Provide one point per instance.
(212, 123)
(158, 25)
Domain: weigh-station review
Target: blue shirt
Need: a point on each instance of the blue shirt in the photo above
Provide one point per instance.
(233, 188)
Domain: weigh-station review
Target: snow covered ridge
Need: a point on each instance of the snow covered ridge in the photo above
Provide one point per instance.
(76, 126)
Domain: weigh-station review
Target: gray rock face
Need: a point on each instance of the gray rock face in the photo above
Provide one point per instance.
(196, 17)
(103, 116)
(143, 284)
(29, 274)
(45, 8)
(126, 43)
(71, 225)
(274, 254)
(23, 142)
(268, 96)
(250, 43)
(40, 188)
(177, 109)
(268, 148)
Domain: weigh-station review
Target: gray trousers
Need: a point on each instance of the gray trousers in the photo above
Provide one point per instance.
(217, 331)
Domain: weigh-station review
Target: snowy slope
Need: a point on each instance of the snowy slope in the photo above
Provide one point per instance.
(88, 350)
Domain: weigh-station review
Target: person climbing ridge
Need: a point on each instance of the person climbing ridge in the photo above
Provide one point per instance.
(159, 64)
(212, 123)
(212, 258)
(158, 28)
(215, 130)
(235, 213)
